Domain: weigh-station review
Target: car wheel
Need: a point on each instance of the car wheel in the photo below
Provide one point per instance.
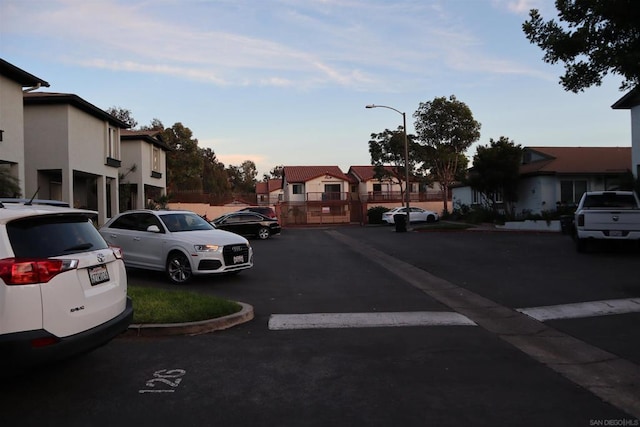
(178, 268)
(263, 233)
(431, 218)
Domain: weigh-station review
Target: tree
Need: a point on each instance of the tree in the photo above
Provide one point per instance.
(275, 173)
(387, 156)
(123, 115)
(445, 129)
(597, 37)
(495, 172)
(155, 124)
(243, 177)
(185, 163)
(9, 184)
(214, 176)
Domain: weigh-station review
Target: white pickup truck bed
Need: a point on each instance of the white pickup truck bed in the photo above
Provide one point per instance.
(607, 215)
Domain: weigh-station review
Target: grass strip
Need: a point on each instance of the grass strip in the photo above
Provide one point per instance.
(152, 305)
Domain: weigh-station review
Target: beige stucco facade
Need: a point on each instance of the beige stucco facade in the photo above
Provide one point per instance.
(11, 119)
(72, 155)
(143, 168)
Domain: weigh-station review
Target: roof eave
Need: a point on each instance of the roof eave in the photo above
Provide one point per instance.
(20, 76)
(629, 100)
(45, 98)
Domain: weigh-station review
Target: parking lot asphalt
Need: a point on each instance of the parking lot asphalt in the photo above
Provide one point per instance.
(608, 376)
(365, 326)
(605, 374)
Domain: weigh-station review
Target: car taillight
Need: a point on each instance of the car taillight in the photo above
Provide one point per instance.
(581, 220)
(26, 271)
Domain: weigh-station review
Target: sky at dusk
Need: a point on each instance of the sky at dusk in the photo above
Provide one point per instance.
(285, 82)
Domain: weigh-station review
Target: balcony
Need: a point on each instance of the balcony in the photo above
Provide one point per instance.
(327, 197)
(396, 196)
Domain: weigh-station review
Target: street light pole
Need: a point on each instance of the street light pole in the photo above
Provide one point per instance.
(406, 155)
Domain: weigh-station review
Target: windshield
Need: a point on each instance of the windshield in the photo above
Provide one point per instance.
(176, 222)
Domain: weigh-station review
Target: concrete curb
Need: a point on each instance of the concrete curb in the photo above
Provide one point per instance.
(192, 328)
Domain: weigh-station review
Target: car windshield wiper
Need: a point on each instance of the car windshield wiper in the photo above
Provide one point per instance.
(80, 247)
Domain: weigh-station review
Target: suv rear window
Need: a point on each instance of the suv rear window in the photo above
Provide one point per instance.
(53, 235)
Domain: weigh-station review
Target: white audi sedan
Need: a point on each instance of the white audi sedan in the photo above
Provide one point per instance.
(180, 243)
(416, 215)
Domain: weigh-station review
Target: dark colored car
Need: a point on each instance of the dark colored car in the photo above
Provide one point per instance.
(264, 210)
(248, 224)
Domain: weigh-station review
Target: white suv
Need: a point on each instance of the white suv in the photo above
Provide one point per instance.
(180, 243)
(63, 290)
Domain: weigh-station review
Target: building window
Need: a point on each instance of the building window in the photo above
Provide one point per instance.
(476, 197)
(572, 190)
(297, 189)
(155, 159)
(112, 143)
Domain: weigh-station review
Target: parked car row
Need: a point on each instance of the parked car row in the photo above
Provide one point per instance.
(63, 282)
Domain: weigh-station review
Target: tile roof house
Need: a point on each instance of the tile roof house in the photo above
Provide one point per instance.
(552, 176)
(12, 154)
(316, 194)
(269, 192)
(74, 151)
(372, 188)
(143, 171)
(631, 101)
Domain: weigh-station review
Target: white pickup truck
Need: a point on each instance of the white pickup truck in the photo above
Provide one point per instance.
(606, 215)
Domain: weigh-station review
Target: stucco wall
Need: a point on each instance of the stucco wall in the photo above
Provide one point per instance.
(12, 123)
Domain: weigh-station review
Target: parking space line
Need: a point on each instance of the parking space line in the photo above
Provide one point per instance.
(367, 320)
(583, 309)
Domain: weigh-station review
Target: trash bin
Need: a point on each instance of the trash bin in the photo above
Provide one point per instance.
(565, 223)
(401, 222)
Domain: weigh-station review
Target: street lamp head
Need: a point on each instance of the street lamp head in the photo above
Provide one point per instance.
(370, 106)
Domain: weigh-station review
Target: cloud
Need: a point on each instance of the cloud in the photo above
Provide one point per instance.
(519, 7)
(360, 45)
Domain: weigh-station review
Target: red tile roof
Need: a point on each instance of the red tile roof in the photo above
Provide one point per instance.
(269, 186)
(274, 185)
(578, 160)
(262, 188)
(300, 174)
(366, 173)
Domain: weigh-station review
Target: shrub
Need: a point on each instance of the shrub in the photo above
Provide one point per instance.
(374, 214)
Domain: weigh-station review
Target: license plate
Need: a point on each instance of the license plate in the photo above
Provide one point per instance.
(98, 274)
(238, 259)
(615, 233)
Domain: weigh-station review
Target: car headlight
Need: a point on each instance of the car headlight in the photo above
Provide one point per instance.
(207, 248)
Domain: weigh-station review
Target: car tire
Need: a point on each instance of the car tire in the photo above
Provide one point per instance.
(263, 233)
(178, 268)
(431, 218)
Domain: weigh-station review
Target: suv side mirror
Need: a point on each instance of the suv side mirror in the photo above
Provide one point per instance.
(153, 229)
